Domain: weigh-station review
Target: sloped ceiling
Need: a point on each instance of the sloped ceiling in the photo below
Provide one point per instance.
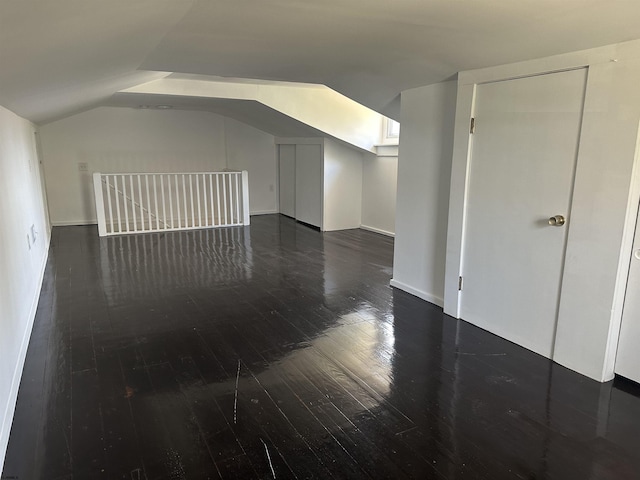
(60, 57)
(250, 112)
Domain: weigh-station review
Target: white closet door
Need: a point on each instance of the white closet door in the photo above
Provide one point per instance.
(287, 183)
(309, 184)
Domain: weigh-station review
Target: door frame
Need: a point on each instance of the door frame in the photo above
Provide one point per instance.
(589, 319)
(631, 224)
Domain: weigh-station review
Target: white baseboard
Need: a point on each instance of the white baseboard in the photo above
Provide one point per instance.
(264, 212)
(71, 223)
(417, 293)
(7, 420)
(377, 230)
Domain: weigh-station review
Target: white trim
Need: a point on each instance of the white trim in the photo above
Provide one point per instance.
(541, 66)
(417, 293)
(387, 150)
(377, 230)
(458, 198)
(246, 214)
(264, 212)
(72, 223)
(83, 223)
(323, 192)
(7, 420)
(99, 201)
(624, 265)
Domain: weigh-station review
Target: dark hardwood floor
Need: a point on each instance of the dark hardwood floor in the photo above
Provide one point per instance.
(276, 351)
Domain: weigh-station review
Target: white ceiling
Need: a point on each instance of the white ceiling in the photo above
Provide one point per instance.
(60, 57)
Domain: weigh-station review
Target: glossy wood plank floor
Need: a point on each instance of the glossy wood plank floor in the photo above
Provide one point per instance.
(276, 351)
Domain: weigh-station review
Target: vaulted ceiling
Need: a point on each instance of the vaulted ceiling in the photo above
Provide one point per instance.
(64, 56)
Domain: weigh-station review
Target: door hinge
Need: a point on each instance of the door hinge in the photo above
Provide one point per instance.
(472, 127)
(459, 283)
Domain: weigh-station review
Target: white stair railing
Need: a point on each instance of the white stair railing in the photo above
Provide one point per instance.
(153, 202)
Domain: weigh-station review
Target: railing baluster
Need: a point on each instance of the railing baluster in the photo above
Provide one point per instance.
(111, 226)
(124, 203)
(211, 198)
(170, 199)
(205, 199)
(175, 178)
(198, 197)
(155, 202)
(133, 203)
(141, 208)
(146, 183)
(164, 209)
(193, 217)
(230, 196)
(224, 196)
(237, 199)
(117, 199)
(218, 199)
(184, 201)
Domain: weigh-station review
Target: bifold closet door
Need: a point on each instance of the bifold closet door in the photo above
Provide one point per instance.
(309, 184)
(287, 180)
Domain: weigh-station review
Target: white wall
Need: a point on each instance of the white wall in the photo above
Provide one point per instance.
(424, 168)
(379, 188)
(342, 186)
(21, 261)
(112, 139)
(254, 151)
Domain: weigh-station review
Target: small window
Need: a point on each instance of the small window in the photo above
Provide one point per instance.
(389, 132)
(393, 129)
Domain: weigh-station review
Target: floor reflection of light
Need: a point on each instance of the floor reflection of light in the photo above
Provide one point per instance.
(154, 264)
(362, 347)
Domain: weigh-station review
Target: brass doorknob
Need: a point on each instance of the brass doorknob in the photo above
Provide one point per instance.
(556, 221)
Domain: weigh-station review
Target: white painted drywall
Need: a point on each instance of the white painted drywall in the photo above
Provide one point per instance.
(113, 140)
(424, 168)
(342, 186)
(600, 229)
(254, 151)
(22, 260)
(379, 187)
